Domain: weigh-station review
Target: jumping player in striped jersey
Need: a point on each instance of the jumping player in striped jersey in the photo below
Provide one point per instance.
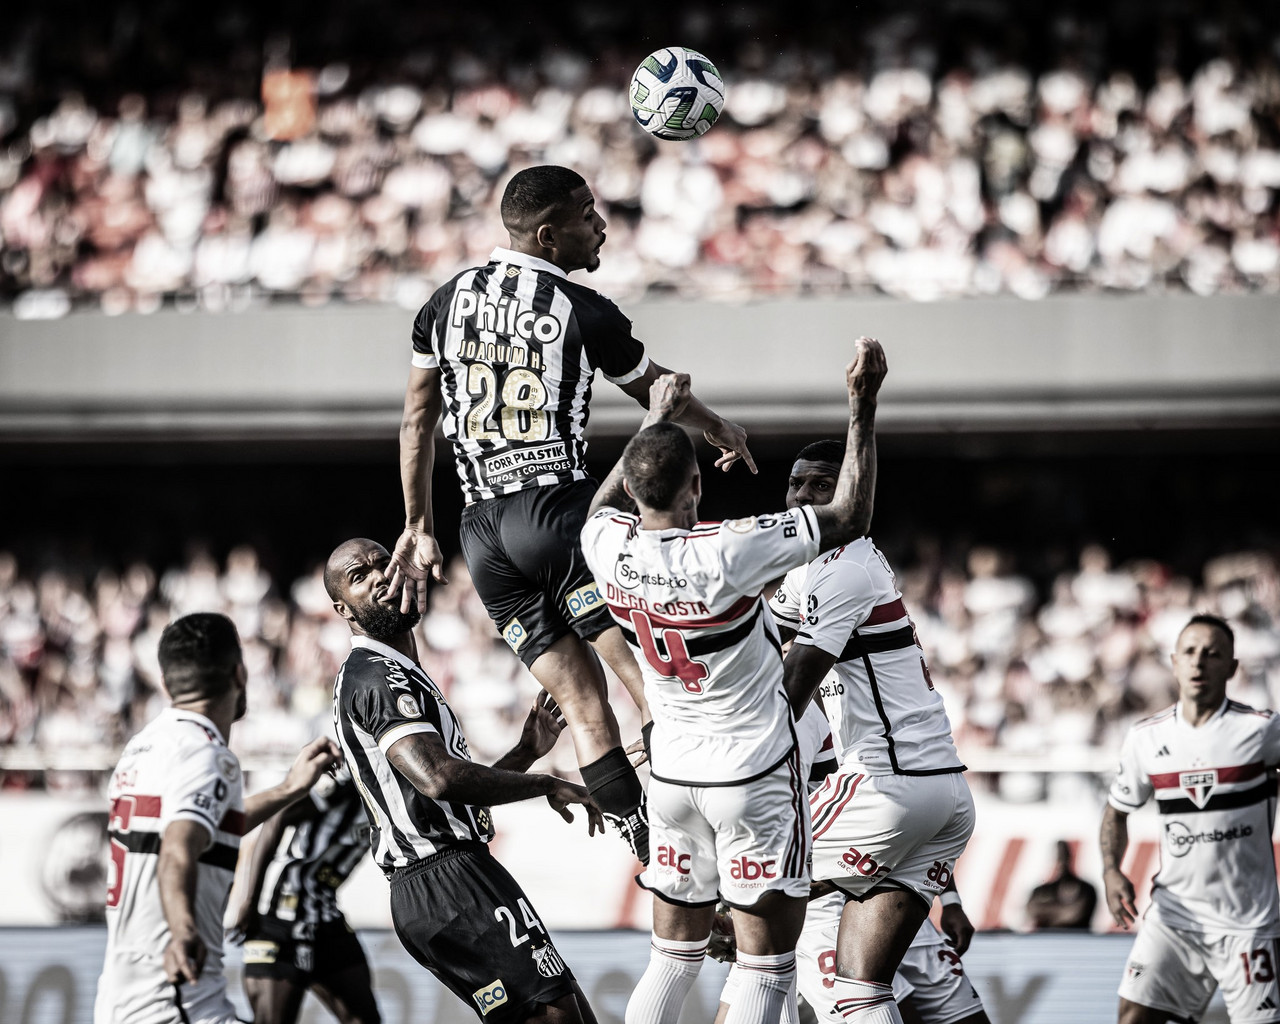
(295, 936)
(177, 815)
(889, 825)
(1214, 919)
(455, 908)
(508, 352)
(728, 813)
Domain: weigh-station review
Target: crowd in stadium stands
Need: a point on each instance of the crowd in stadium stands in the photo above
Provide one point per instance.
(923, 156)
(1021, 672)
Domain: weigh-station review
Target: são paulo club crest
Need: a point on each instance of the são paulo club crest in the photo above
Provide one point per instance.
(1198, 785)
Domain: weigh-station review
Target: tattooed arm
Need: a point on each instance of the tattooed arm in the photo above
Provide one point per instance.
(423, 759)
(1114, 839)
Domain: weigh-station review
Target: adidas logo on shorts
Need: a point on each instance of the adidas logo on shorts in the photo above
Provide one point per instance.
(1267, 1004)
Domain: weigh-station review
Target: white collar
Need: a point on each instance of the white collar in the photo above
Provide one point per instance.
(523, 259)
(378, 647)
(200, 720)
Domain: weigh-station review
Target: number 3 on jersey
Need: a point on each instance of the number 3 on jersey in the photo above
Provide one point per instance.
(677, 664)
(521, 414)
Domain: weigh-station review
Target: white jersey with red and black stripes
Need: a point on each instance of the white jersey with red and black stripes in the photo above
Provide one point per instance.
(689, 604)
(886, 716)
(1215, 788)
(178, 768)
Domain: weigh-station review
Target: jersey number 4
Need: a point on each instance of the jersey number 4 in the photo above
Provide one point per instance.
(676, 664)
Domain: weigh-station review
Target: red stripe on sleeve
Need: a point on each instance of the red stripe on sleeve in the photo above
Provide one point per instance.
(882, 613)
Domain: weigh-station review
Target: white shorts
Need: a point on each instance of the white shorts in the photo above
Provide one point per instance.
(134, 990)
(930, 973)
(1176, 970)
(729, 842)
(905, 830)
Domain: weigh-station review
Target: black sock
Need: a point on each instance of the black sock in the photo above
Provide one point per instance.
(616, 789)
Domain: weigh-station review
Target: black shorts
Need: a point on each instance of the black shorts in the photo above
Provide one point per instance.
(469, 923)
(524, 551)
(300, 953)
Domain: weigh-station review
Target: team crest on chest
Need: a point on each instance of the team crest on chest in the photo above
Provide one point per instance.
(1199, 785)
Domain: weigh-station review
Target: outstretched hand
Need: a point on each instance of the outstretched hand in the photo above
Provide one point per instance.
(313, 760)
(731, 439)
(542, 726)
(866, 373)
(565, 794)
(416, 559)
(184, 959)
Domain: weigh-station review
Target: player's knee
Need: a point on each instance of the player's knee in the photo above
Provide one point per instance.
(564, 1010)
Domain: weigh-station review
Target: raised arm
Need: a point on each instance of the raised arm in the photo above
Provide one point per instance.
(726, 435)
(423, 759)
(848, 515)
(1114, 840)
(417, 556)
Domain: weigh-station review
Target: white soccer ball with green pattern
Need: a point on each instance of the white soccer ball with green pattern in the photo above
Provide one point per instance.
(676, 94)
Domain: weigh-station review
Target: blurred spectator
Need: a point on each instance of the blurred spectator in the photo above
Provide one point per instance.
(1066, 900)
(1042, 681)
(921, 155)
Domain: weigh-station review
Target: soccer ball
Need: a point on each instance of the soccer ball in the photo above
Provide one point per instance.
(676, 94)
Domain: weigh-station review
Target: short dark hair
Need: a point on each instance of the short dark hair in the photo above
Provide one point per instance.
(828, 450)
(534, 193)
(657, 463)
(1214, 622)
(199, 654)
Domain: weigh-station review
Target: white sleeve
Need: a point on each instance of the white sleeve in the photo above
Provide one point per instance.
(785, 603)
(840, 594)
(594, 538)
(1271, 741)
(757, 550)
(201, 788)
(1131, 787)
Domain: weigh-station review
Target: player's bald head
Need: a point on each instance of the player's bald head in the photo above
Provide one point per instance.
(348, 553)
(538, 195)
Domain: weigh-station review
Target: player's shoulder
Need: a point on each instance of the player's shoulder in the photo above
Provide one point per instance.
(1235, 707)
(441, 296)
(365, 668)
(1152, 723)
(614, 523)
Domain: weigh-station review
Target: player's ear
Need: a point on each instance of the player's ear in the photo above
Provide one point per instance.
(341, 608)
(545, 236)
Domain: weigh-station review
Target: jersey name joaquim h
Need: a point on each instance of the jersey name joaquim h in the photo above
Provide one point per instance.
(518, 344)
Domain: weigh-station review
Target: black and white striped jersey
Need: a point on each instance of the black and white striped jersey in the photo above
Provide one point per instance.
(518, 345)
(380, 697)
(316, 855)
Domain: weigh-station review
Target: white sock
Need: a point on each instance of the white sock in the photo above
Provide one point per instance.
(732, 984)
(791, 1005)
(765, 984)
(865, 1002)
(659, 994)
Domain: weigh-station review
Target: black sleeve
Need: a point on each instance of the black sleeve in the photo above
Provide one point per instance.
(388, 705)
(424, 324)
(607, 338)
